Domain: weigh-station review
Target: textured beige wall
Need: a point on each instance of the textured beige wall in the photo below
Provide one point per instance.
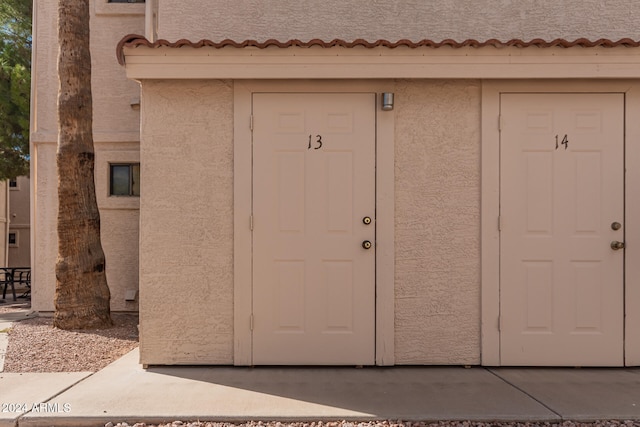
(116, 131)
(437, 226)
(43, 277)
(112, 91)
(395, 20)
(186, 237)
(119, 229)
(186, 292)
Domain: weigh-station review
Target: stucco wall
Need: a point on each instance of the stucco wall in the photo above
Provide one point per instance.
(395, 20)
(118, 227)
(116, 131)
(186, 237)
(437, 225)
(186, 276)
(112, 91)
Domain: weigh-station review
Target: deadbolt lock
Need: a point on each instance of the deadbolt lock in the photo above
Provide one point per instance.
(615, 245)
(366, 244)
(616, 225)
(366, 220)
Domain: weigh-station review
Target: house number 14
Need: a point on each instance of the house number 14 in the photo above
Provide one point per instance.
(565, 142)
(317, 144)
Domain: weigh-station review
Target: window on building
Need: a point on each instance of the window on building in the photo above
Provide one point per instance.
(13, 239)
(124, 179)
(13, 183)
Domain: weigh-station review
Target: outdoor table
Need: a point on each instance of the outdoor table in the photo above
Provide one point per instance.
(12, 276)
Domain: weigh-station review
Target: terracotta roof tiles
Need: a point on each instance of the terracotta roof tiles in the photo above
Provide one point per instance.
(134, 40)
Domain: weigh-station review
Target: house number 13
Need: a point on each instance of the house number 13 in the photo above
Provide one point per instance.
(317, 144)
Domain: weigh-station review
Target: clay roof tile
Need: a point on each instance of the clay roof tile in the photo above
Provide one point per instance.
(134, 40)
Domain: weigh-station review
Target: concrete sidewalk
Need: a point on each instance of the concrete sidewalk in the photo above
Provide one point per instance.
(123, 391)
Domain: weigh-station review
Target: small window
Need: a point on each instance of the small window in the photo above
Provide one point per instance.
(13, 239)
(13, 183)
(124, 179)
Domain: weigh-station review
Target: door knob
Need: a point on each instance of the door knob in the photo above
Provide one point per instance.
(615, 245)
(366, 244)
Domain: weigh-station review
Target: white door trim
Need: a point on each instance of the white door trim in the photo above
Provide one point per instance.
(491, 91)
(385, 250)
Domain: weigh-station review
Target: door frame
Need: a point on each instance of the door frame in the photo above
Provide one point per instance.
(490, 204)
(243, 171)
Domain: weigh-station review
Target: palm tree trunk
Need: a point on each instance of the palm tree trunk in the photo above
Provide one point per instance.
(82, 295)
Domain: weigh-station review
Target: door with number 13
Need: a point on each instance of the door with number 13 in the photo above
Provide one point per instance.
(313, 228)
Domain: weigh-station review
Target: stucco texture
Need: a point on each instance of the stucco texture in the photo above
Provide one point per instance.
(437, 224)
(43, 275)
(118, 230)
(186, 236)
(395, 20)
(112, 91)
(116, 131)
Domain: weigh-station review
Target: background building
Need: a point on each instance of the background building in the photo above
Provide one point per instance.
(4, 222)
(116, 109)
(19, 237)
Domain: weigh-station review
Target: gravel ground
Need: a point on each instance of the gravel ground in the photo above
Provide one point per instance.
(382, 424)
(36, 346)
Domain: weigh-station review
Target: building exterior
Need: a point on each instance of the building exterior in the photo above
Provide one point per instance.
(4, 222)
(364, 183)
(116, 137)
(19, 236)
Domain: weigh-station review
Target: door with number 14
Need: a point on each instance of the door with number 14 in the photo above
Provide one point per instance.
(562, 229)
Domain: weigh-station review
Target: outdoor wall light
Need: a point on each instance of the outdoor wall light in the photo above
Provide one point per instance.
(387, 101)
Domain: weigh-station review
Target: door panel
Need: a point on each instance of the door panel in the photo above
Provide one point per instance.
(562, 186)
(313, 182)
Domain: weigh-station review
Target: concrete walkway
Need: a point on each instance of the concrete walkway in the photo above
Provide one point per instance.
(124, 391)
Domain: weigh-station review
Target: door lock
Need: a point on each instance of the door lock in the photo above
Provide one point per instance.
(615, 245)
(366, 244)
(366, 220)
(616, 226)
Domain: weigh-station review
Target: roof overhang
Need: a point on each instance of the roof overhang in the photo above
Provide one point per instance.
(379, 60)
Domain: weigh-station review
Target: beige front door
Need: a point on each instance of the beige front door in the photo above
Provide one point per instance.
(561, 207)
(314, 228)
